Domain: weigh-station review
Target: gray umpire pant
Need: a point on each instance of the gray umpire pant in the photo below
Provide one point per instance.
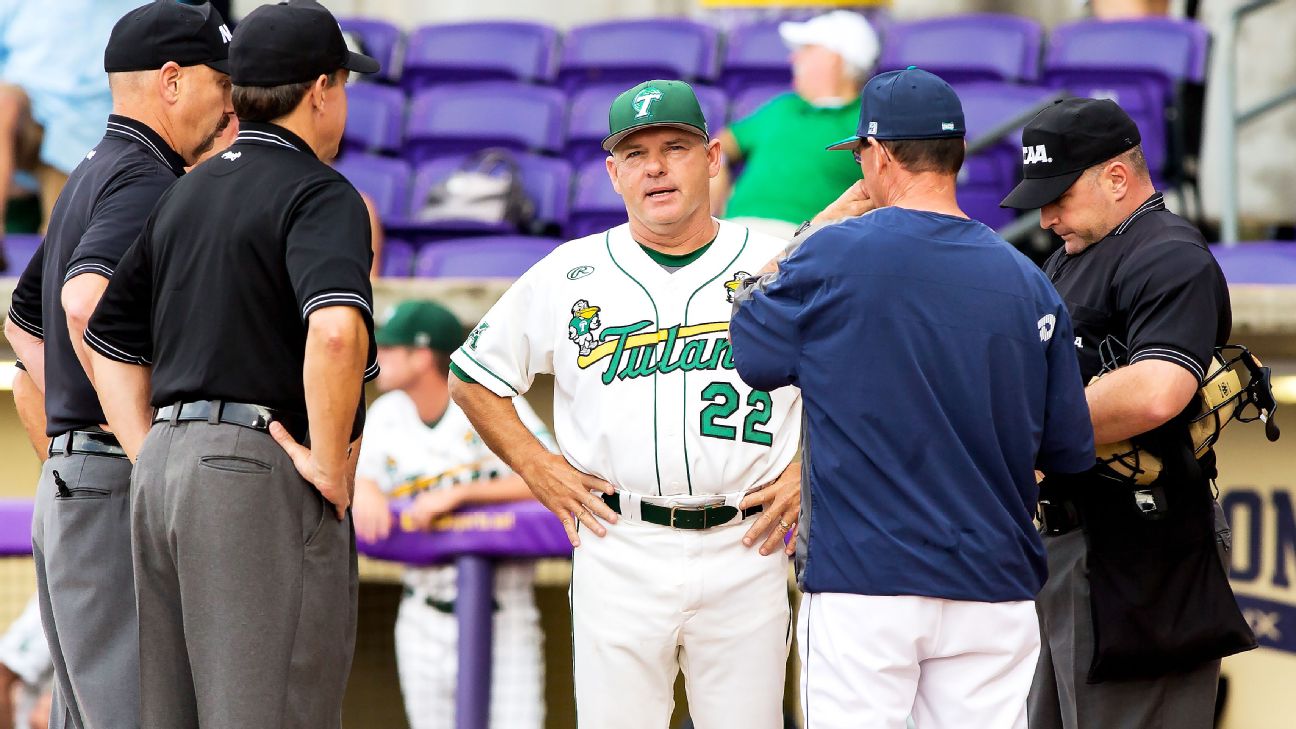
(1061, 698)
(82, 548)
(246, 584)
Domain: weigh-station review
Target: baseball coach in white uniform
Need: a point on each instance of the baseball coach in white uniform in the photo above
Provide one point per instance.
(683, 474)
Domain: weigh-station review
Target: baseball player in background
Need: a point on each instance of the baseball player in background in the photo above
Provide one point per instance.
(419, 447)
(938, 374)
(663, 448)
(25, 672)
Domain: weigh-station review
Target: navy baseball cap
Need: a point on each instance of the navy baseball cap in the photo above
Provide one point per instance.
(292, 42)
(150, 36)
(908, 104)
(1063, 141)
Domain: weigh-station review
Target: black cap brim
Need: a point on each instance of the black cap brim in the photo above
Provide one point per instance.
(222, 65)
(360, 63)
(1031, 194)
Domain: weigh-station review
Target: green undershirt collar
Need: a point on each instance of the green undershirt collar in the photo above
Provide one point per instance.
(673, 260)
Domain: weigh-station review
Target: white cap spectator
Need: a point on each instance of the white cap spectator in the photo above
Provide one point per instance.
(846, 33)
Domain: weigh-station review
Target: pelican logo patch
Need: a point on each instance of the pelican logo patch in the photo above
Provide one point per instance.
(733, 284)
(584, 325)
(476, 334)
(644, 100)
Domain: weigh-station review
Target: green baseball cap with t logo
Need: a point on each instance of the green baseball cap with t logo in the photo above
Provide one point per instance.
(654, 104)
(421, 323)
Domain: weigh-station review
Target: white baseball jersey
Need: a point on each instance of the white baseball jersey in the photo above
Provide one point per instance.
(646, 396)
(406, 456)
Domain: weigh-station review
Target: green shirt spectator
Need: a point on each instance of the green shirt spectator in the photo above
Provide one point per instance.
(791, 176)
(787, 176)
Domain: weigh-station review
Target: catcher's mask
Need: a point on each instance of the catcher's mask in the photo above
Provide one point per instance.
(1222, 399)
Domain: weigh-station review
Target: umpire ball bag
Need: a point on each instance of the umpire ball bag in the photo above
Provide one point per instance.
(1159, 593)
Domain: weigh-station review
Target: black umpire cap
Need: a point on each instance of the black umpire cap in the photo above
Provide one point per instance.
(1063, 141)
(290, 43)
(148, 37)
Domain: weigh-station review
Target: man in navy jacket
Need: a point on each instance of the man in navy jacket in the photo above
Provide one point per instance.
(938, 373)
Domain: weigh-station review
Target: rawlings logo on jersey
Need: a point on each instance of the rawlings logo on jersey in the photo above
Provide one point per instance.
(733, 284)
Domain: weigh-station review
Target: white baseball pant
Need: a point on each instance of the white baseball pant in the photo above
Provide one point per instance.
(649, 601)
(427, 659)
(872, 661)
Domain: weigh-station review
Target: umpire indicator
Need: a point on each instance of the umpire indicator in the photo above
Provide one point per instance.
(237, 330)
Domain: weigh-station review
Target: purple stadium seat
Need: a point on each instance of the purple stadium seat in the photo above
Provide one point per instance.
(755, 55)
(631, 51)
(1176, 49)
(1079, 59)
(753, 98)
(507, 256)
(595, 206)
(488, 51)
(1143, 95)
(974, 47)
(375, 115)
(462, 118)
(587, 120)
(18, 250)
(386, 181)
(988, 104)
(547, 182)
(380, 39)
(1257, 262)
(715, 107)
(397, 258)
(990, 174)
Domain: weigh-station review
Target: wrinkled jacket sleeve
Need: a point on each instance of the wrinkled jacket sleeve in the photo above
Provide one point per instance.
(1067, 443)
(764, 330)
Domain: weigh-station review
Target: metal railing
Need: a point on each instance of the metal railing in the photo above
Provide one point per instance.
(1233, 118)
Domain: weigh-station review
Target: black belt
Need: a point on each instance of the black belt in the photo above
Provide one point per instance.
(86, 442)
(1058, 516)
(444, 606)
(256, 417)
(684, 517)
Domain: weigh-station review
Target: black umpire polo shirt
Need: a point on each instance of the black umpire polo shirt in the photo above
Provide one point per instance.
(1150, 289)
(97, 217)
(217, 291)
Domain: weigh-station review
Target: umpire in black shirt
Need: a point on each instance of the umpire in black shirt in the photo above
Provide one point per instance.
(243, 314)
(166, 67)
(1136, 610)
